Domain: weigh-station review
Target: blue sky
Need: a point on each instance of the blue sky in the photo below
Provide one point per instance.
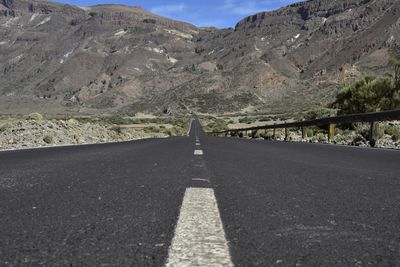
(218, 13)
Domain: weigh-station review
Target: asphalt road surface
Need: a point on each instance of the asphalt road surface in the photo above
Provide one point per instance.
(200, 200)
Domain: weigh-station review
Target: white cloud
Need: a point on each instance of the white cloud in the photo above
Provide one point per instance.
(240, 7)
(248, 7)
(220, 23)
(168, 9)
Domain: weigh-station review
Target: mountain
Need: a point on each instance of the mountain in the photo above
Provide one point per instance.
(58, 59)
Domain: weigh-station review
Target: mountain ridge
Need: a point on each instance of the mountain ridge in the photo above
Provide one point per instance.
(57, 58)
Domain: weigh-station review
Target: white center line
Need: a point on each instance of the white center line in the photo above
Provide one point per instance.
(197, 144)
(200, 179)
(198, 152)
(199, 235)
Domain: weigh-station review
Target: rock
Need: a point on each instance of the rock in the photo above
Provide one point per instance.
(72, 122)
(48, 139)
(35, 116)
(359, 140)
(78, 139)
(386, 141)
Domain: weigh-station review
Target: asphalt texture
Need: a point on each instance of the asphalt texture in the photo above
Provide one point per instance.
(281, 204)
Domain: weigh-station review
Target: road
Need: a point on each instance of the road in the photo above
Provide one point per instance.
(221, 201)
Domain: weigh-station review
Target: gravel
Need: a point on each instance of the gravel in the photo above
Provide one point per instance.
(32, 133)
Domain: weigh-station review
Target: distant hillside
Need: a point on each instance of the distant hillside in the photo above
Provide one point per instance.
(58, 58)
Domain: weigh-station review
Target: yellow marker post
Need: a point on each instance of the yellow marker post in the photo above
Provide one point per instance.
(331, 132)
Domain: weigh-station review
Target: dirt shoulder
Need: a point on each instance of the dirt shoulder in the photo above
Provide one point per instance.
(34, 130)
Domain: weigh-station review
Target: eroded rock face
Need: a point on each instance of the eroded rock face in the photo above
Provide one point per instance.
(109, 58)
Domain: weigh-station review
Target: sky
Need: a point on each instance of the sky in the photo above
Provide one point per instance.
(217, 13)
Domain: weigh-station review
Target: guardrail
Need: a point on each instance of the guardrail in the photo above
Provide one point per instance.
(330, 123)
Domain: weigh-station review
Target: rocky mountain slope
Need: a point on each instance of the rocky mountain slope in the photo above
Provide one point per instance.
(58, 58)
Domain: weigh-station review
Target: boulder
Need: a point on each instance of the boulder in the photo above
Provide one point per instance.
(35, 116)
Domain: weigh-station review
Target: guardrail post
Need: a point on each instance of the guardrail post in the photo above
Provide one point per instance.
(331, 132)
(303, 133)
(373, 117)
(374, 133)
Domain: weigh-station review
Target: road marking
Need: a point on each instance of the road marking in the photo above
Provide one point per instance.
(198, 152)
(199, 235)
(197, 144)
(200, 179)
(190, 127)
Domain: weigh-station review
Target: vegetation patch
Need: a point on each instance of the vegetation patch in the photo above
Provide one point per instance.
(213, 124)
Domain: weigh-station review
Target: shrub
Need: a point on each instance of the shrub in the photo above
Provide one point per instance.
(393, 131)
(116, 129)
(310, 132)
(269, 135)
(255, 134)
(320, 137)
(370, 93)
(338, 131)
(268, 118)
(175, 131)
(151, 129)
(116, 120)
(246, 120)
(4, 127)
(395, 63)
(169, 132)
(217, 125)
(319, 113)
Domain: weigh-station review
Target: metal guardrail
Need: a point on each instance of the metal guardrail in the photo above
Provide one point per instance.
(330, 122)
